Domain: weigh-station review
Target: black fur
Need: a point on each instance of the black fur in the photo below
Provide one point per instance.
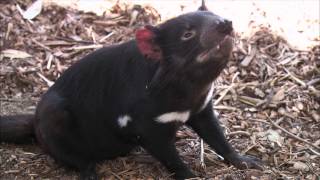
(17, 129)
(76, 121)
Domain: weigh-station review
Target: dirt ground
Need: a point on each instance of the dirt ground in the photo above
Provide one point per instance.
(267, 99)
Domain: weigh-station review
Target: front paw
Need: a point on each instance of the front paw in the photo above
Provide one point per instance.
(246, 162)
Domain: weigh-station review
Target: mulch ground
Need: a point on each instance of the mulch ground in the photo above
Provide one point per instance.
(268, 98)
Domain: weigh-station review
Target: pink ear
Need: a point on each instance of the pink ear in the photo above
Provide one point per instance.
(145, 38)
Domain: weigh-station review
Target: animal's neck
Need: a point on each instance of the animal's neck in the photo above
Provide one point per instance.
(178, 91)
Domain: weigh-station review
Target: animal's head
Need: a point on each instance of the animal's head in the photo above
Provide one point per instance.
(188, 40)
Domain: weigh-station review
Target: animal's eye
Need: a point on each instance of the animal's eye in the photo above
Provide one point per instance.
(188, 35)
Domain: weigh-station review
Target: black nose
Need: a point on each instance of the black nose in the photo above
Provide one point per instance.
(225, 27)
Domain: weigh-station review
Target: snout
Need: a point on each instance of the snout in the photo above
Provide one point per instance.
(225, 27)
(218, 41)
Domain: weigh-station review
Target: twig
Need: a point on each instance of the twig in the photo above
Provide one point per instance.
(225, 92)
(50, 58)
(115, 175)
(247, 60)
(306, 85)
(105, 23)
(218, 155)
(41, 45)
(259, 120)
(49, 83)
(295, 78)
(9, 27)
(12, 171)
(58, 65)
(243, 133)
(250, 101)
(133, 16)
(288, 59)
(93, 46)
(221, 107)
(106, 37)
(315, 152)
(122, 172)
(294, 136)
(202, 164)
(248, 148)
(73, 40)
(17, 100)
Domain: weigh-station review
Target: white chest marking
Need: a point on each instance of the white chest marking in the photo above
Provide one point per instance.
(173, 116)
(123, 120)
(208, 98)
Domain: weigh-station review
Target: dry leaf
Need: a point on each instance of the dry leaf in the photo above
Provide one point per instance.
(273, 136)
(15, 54)
(301, 166)
(259, 92)
(248, 58)
(279, 95)
(32, 11)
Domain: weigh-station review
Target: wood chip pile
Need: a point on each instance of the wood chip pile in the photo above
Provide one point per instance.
(268, 98)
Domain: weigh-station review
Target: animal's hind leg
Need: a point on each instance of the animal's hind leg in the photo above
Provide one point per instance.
(89, 173)
(84, 165)
(59, 133)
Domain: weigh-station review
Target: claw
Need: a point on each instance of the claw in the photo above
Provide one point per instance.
(246, 162)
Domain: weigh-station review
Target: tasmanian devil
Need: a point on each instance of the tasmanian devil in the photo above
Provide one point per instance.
(136, 94)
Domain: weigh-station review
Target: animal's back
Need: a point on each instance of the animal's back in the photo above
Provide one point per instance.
(109, 79)
(112, 80)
